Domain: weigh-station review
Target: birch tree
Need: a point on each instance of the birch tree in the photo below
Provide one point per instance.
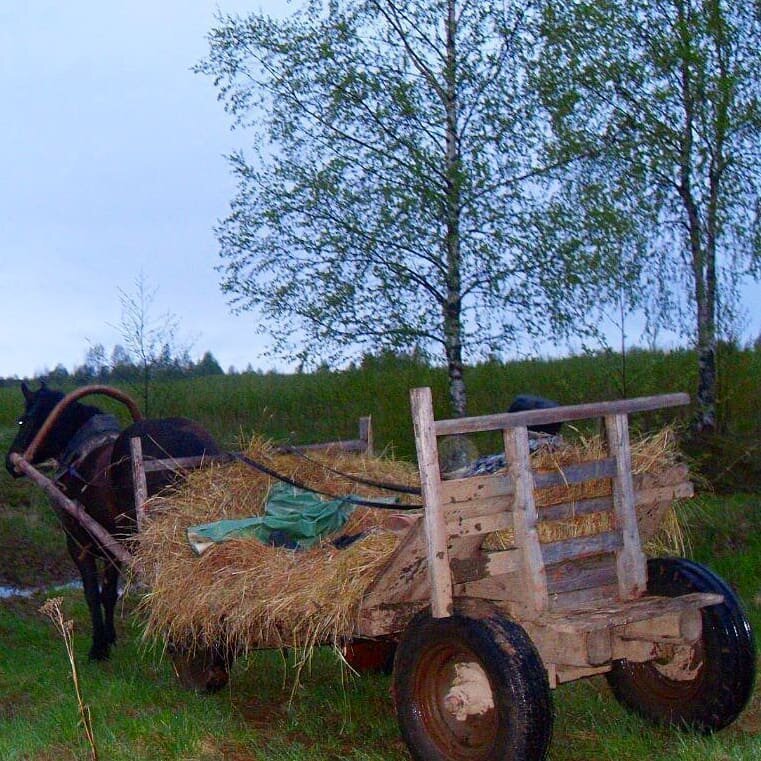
(663, 97)
(391, 195)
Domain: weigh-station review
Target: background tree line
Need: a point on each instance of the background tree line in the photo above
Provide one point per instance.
(118, 367)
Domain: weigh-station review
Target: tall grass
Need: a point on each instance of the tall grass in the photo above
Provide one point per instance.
(326, 405)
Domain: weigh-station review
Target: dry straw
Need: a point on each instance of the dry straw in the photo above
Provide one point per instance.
(243, 594)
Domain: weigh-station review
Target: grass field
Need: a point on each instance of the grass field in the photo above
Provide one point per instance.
(138, 710)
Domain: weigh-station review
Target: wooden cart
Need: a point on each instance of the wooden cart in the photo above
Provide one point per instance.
(484, 636)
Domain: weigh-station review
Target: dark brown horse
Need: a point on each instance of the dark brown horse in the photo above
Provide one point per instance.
(92, 457)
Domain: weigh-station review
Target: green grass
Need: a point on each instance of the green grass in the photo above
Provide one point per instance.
(140, 712)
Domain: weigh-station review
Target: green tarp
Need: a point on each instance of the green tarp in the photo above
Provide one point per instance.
(299, 517)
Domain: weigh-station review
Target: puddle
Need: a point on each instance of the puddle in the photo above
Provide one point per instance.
(7, 592)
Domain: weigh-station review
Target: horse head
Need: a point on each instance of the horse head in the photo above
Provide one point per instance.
(37, 408)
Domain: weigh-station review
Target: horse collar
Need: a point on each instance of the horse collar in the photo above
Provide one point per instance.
(96, 432)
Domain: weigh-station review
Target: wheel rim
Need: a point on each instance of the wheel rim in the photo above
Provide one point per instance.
(457, 731)
(675, 676)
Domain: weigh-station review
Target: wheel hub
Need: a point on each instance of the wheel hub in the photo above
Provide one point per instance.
(470, 693)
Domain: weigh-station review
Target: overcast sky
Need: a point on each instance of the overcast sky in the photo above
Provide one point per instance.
(112, 164)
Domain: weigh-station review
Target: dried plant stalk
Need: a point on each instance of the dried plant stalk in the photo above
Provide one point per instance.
(52, 609)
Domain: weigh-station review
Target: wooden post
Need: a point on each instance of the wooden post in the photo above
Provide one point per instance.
(525, 517)
(139, 483)
(366, 434)
(439, 573)
(630, 560)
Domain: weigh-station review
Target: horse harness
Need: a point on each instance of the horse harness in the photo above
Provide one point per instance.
(98, 432)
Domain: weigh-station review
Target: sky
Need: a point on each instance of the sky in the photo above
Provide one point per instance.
(112, 166)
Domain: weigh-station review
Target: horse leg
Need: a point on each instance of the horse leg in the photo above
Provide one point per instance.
(109, 592)
(85, 561)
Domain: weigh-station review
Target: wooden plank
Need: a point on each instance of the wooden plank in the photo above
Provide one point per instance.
(461, 490)
(484, 565)
(433, 516)
(622, 613)
(568, 510)
(477, 509)
(570, 576)
(575, 474)
(630, 560)
(485, 524)
(579, 598)
(139, 483)
(404, 578)
(534, 580)
(505, 588)
(581, 546)
(185, 463)
(504, 420)
(386, 618)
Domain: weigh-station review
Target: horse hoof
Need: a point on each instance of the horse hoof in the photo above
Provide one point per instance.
(99, 653)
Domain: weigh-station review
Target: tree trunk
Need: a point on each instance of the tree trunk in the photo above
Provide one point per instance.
(702, 253)
(453, 306)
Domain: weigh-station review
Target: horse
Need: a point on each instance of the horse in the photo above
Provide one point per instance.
(94, 468)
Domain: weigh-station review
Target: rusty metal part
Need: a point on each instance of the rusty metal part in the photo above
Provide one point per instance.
(70, 398)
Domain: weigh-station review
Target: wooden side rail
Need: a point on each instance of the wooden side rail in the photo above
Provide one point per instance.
(536, 576)
(503, 420)
(140, 467)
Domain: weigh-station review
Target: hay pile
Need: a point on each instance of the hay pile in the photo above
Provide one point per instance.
(243, 594)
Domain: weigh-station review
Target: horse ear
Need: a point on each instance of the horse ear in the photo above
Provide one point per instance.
(26, 391)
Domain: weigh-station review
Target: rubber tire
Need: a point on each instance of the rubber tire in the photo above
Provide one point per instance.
(519, 727)
(724, 683)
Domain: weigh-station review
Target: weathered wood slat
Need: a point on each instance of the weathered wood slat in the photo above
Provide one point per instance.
(576, 474)
(184, 463)
(570, 576)
(632, 570)
(485, 565)
(570, 601)
(568, 510)
(534, 581)
(480, 524)
(506, 420)
(503, 588)
(581, 546)
(139, 484)
(652, 480)
(404, 577)
(433, 516)
(478, 508)
(611, 615)
(476, 488)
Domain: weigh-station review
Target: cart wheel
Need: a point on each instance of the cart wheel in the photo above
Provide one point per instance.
(471, 689)
(202, 670)
(706, 686)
